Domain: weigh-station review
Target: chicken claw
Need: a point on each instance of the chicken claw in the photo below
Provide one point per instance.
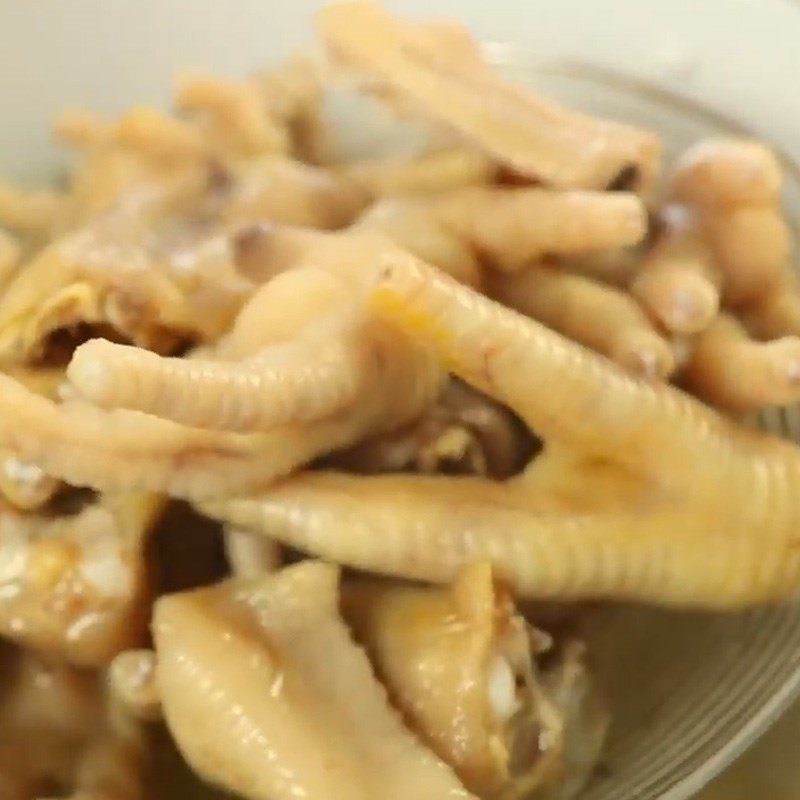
(732, 371)
(512, 228)
(461, 665)
(640, 493)
(267, 695)
(440, 71)
(604, 318)
(307, 369)
(678, 283)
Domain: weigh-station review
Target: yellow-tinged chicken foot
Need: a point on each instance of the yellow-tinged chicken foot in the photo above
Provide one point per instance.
(424, 174)
(508, 229)
(161, 267)
(733, 186)
(678, 283)
(388, 381)
(753, 248)
(121, 450)
(439, 71)
(237, 113)
(75, 586)
(604, 318)
(306, 370)
(732, 371)
(287, 382)
(460, 664)
(725, 173)
(290, 383)
(514, 227)
(288, 192)
(267, 695)
(641, 492)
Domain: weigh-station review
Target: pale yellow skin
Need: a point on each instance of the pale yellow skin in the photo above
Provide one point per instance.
(731, 371)
(439, 72)
(236, 113)
(304, 371)
(288, 192)
(678, 283)
(511, 228)
(641, 493)
(775, 314)
(427, 173)
(25, 486)
(108, 272)
(76, 587)
(728, 172)
(363, 377)
(267, 695)
(602, 317)
(123, 450)
(411, 223)
(753, 247)
(463, 230)
(734, 186)
(728, 245)
(449, 659)
(294, 93)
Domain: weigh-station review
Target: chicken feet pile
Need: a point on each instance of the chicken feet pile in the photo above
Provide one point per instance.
(467, 370)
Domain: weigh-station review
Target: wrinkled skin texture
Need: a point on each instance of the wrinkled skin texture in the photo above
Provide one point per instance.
(438, 70)
(624, 501)
(724, 242)
(75, 587)
(459, 663)
(306, 370)
(268, 696)
(604, 318)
